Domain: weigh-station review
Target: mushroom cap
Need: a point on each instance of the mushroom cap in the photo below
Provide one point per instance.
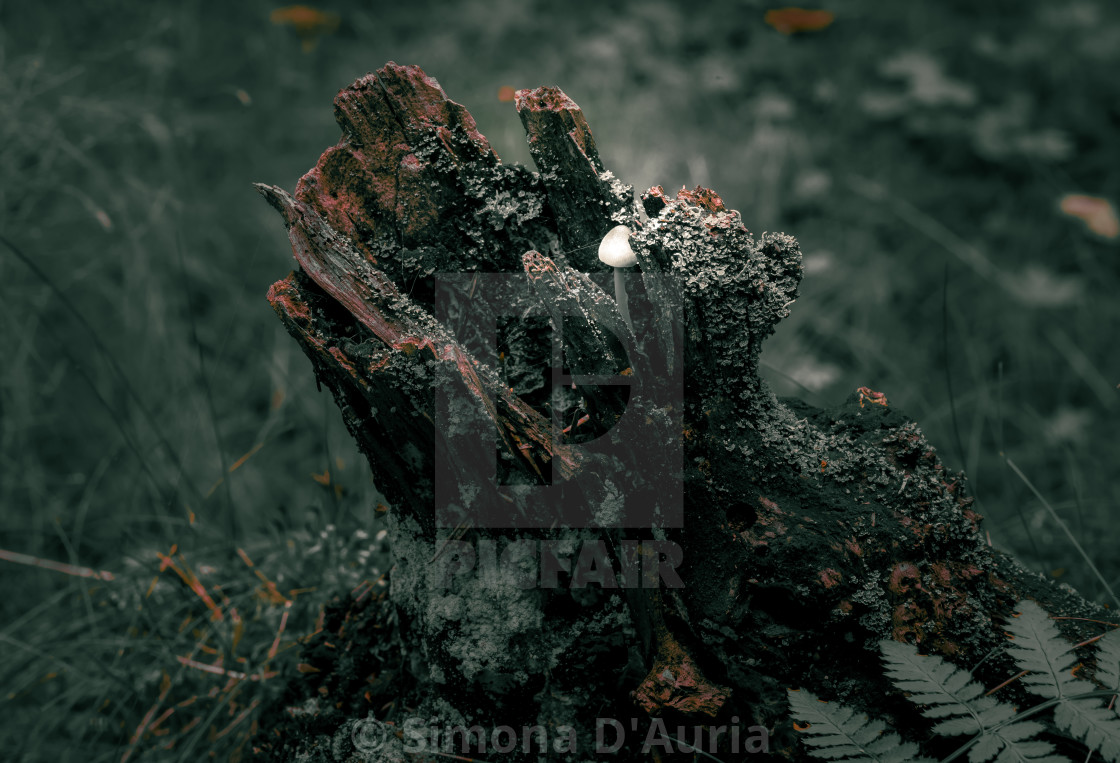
(615, 248)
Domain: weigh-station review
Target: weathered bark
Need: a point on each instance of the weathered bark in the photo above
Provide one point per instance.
(807, 534)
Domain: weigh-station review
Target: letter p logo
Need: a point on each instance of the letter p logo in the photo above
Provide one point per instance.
(619, 406)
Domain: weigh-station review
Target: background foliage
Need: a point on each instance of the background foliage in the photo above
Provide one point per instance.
(919, 151)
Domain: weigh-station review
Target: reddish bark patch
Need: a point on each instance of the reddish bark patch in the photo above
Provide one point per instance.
(676, 683)
(830, 577)
(871, 396)
(768, 524)
(547, 98)
(286, 301)
(374, 179)
(343, 361)
(941, 573)
(705, 198)
(331, 262)
(539, 107)
(926, 603)
(901, 576)
(654, 200)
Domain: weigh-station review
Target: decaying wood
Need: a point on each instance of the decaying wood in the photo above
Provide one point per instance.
(808, 534)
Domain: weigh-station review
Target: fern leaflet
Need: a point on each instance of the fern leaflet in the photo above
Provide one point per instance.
(1037, 646)
(839, 733)
(950, 693)
(1040, 648)
(1108, 660)
(949, 696)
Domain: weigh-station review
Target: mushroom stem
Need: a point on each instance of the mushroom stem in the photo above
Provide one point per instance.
(614, 250)
(620, 298)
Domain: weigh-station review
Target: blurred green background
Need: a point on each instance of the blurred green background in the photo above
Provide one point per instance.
(919, 151)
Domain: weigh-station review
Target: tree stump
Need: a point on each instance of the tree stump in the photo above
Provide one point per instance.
(687, 547)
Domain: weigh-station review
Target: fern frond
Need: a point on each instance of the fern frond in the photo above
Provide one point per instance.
(948, 692)
(1040, 648)
(1108, 660)
(1034, 752)
(1093, 723)
(944, 690)
(1014, 743)
(839, 733)
(929, 680)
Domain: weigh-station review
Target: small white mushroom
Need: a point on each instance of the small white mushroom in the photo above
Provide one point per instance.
(615, 251)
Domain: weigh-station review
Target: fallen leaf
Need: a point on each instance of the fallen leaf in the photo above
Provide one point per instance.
(792, 20)
(309, 23)
(1098, 214)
